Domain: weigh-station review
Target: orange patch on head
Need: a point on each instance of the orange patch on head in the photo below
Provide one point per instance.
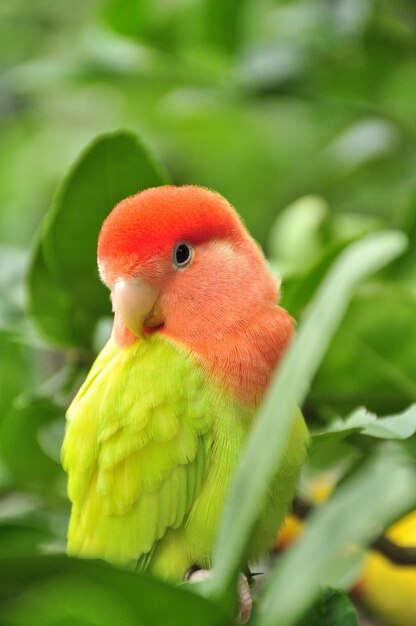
(149, 224)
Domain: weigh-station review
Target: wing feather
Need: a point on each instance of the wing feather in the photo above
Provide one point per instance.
(135, 449)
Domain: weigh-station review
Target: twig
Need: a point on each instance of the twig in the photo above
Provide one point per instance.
(400, 555)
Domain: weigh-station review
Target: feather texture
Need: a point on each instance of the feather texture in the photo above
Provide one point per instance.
(150, 448)
(134, 448)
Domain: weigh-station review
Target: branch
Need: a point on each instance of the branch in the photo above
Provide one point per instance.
(399, 555)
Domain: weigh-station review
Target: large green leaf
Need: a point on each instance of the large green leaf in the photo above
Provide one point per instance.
(270, 433)
(54, 590)
(371, 499)
(67, 297)
(112, 167)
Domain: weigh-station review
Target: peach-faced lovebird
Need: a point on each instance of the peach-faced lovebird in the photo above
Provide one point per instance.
(155, 432)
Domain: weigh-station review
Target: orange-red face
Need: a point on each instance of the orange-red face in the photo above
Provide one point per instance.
(141, 232)
(180, 255)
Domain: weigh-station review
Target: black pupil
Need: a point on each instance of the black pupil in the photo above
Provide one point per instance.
(182, 254)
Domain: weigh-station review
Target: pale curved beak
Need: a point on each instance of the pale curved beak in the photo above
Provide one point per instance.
(137, 303)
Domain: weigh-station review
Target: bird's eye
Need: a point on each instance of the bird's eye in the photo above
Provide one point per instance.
(182, 254)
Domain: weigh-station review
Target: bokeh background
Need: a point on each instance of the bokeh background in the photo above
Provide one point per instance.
(264, 101)
(301, 112)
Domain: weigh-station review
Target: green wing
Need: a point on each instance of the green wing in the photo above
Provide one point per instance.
(135, 449)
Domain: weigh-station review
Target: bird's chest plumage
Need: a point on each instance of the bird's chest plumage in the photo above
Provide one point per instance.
(144, 435)
(152, 441)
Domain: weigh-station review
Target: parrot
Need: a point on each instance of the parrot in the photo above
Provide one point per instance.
(157, 429)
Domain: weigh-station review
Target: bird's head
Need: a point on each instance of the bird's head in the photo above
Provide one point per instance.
(180, 257)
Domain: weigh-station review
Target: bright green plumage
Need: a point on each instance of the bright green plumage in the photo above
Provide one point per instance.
(150, 448)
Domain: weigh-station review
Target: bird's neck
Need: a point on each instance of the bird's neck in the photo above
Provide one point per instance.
(242, 360)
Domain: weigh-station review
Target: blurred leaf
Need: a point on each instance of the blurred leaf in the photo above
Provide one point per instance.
(296, 238)
(50, 437)
(289, 387)
(363, 141)
(348, 521)
(224, 22)
(16, 371)
(299, 290)
(401, 426)
(343, 226)
(271, 67)
(57, 590)
(28, 466)
(13, 264)
(126, 17)
(371, 360)
(333, 608)
(342, 229)
(50, 305)
(404, 269)
(112, 167)
(17, 540)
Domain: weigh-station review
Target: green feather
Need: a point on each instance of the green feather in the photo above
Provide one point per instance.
(150, 447)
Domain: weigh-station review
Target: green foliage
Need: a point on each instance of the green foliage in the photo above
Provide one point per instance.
(24, 428)
(378, 368)
(15, 369)
(51, 590)
(277, 413)
(65, 306)
(380, 491)
(302, 114)
(401, 426)
(333, 608)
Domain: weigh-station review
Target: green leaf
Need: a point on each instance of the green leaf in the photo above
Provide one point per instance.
(13, 265)
(50, 306)
(349, 520)
(296, 237)
(28, 466)
(371, 360)
(404, 269)
(16, 371)
(127, 18)
(400, 426)
(288, 388)
(52, 590)
(333, 608)
(223, 22)
(298, 291)
(20, 539)
(66, 295)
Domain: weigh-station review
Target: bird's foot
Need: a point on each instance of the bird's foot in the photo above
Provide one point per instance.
(245, 601)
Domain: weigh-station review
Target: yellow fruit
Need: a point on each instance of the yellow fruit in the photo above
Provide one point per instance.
(389, 590)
